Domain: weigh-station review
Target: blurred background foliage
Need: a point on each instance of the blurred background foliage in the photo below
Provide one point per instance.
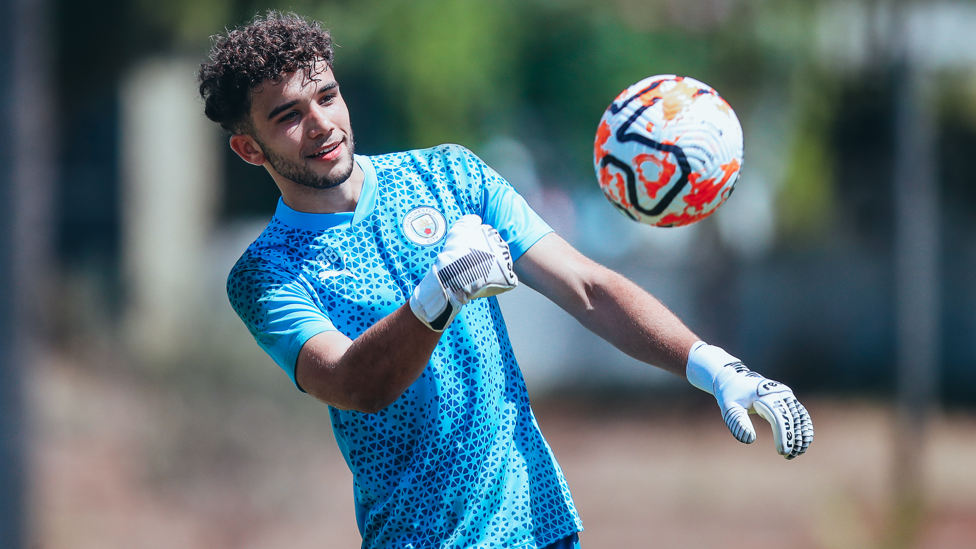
(796, 273)
(423, 72)
(818, 114)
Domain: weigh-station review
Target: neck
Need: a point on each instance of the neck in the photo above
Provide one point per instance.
(342, 198)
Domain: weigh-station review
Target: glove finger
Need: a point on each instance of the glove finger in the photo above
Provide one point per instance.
(737, 419)
(806, 428)
(796, 443)
(498, 274)
(470, 221)
(780, 419)
(461, 231)
(500, 249)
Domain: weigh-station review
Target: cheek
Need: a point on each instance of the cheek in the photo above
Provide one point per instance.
(292, 135)
(342, 114)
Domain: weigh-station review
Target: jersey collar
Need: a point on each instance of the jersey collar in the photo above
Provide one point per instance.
(343, 220)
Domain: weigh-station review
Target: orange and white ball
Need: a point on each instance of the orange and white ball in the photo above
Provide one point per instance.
(668, 151)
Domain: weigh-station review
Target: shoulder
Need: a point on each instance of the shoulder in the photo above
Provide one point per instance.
(271, 259)
(258, 265)
(260, 279)
(450, 171)
(446, 156)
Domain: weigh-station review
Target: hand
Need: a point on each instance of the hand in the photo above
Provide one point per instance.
(475, 262)
(740, 391)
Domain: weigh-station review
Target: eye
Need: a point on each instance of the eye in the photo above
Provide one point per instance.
(289, 117)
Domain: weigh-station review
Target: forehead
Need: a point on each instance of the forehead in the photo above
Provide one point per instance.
(269, 94)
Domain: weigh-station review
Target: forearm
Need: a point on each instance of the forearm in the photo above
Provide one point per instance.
(634, 321)
(372, 371)
(607, 303)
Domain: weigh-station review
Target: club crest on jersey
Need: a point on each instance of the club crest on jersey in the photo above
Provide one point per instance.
(424, 226)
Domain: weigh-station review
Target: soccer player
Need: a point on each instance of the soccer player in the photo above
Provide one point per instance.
(372, 288)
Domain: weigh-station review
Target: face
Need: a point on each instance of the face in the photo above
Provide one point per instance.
(301, 130)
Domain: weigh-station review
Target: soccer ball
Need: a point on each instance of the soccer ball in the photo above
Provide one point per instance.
(668, 151)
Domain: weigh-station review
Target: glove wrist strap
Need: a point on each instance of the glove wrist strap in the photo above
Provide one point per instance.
(705, 363)
(431, 304)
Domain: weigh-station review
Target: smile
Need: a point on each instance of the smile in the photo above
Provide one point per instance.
(328, 152)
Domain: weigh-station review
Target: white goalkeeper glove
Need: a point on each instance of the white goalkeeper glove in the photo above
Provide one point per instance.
(475, 262)
(740, 391)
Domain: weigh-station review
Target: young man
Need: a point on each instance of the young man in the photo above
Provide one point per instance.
(371, 287)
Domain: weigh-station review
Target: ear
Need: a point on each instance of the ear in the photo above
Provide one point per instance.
(247, 148)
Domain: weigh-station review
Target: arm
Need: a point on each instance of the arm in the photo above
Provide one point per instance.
(607, 303)
(372, 371)
(638, 324)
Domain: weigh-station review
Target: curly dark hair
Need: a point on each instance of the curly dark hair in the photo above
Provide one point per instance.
(265, 49)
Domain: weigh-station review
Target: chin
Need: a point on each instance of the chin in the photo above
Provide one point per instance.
(341, 172)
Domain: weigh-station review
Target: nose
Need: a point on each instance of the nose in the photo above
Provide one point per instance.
(319, 122)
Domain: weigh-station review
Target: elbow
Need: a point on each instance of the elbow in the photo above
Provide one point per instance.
(592, 295)
(592, 286)
(373, 395)
(590, 292)
(368, 400)
(345, 388)
(371, 404)
(371, 408)
(377, 396)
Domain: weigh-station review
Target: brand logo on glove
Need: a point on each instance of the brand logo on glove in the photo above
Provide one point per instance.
(769, 386)
(787, 420)
(424, 226)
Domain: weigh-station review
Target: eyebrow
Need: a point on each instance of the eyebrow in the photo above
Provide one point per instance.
(285, 106)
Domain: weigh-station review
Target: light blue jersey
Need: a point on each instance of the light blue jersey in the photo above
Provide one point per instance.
(458, 460)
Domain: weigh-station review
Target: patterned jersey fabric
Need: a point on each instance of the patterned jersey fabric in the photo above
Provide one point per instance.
(458, 460)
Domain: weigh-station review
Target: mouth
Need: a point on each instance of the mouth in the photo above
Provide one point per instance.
(327, 152)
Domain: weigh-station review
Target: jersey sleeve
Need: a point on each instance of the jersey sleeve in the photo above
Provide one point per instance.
(505, 209)
(278, 310)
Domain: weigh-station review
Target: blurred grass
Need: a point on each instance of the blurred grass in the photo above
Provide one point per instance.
(121, 460)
